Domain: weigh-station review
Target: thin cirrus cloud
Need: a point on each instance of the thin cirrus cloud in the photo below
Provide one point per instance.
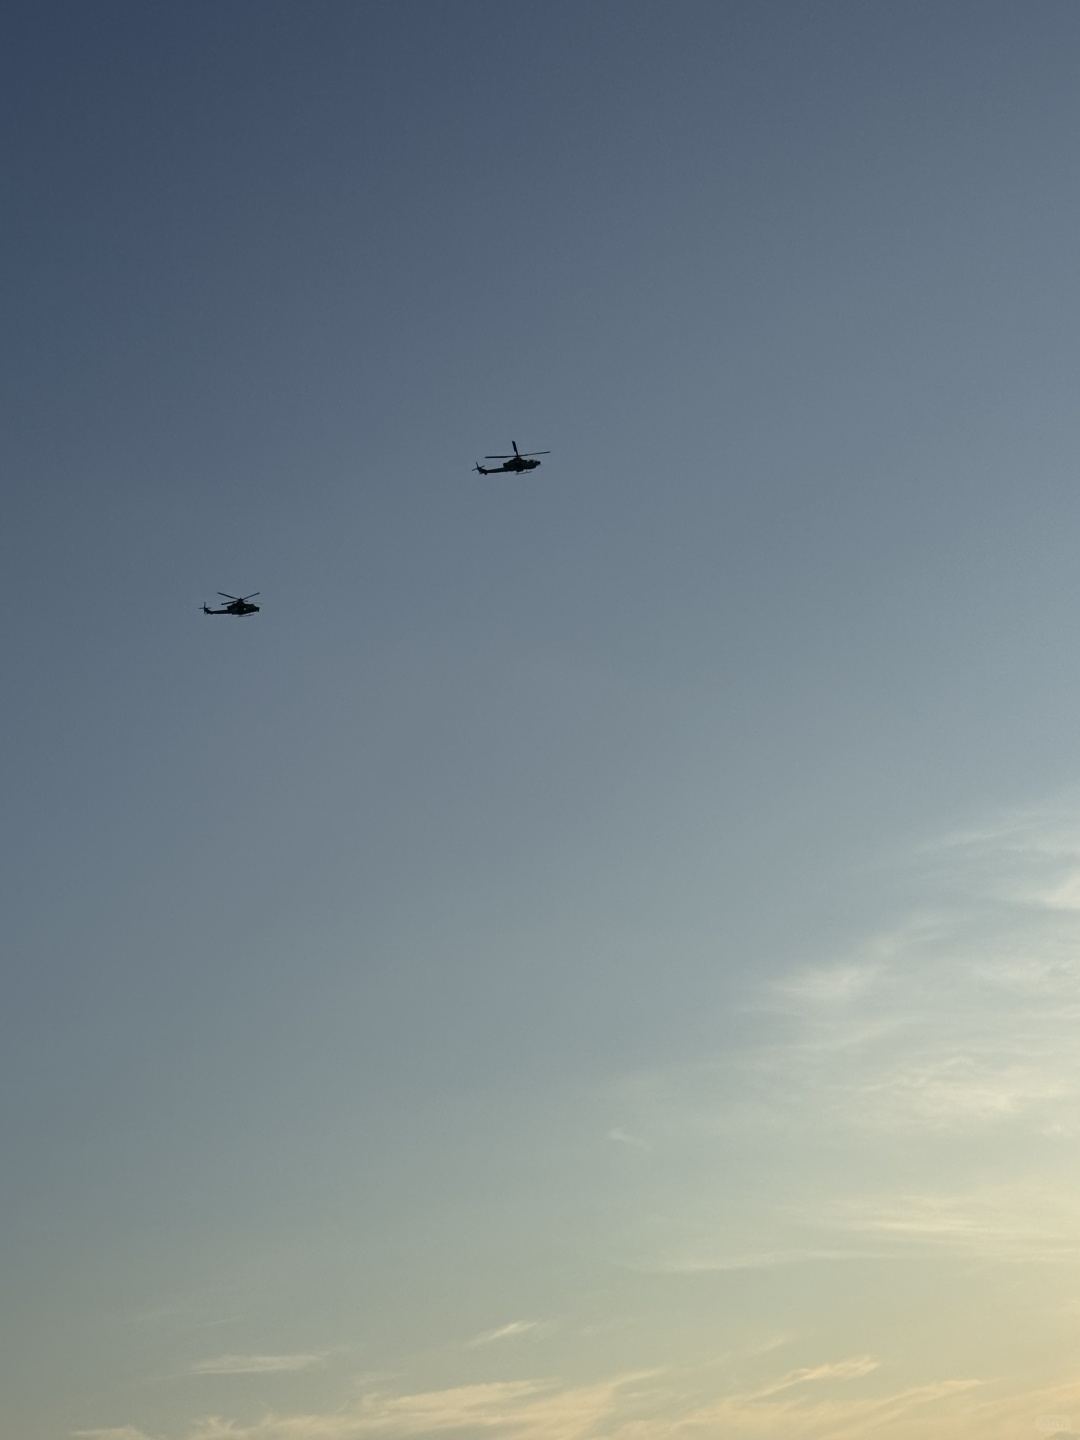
(124, 1432)
(1009, 1224)
(623, 1137)
(839, 1400)
(523, 1410)
(948, 1034)
(509, 1332)
(257, 1364)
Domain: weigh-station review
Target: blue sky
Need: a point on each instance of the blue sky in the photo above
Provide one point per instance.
(596, 955)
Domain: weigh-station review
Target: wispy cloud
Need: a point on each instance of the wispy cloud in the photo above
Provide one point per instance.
(783, 1410)
(835, 1400)
(950, 1031)
(852, 1369)
(523, 1410)
(624, 1137)
(509, 1332)
(1007, 1223)
(125, 1432)
(257, 1364)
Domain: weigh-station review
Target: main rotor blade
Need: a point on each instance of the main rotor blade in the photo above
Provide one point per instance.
(527, 453)
(514, 444)
(227, 596)
(251, 596)
(496, 457)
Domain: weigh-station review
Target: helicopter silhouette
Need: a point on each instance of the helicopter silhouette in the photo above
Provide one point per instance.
(516, 464)
(239, 605)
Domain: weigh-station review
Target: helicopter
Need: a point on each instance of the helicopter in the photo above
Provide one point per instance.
(239, 605)
(516, 464)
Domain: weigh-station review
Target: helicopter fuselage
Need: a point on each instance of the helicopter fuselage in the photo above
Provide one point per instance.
(513, 467)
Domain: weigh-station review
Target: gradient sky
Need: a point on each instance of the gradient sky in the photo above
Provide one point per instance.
(598, 956)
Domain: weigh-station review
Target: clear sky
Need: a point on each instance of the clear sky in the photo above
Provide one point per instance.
(598, 956)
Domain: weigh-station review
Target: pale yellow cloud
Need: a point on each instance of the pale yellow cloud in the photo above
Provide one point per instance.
(824, 1402)
(523, 1410)
(901, 1415)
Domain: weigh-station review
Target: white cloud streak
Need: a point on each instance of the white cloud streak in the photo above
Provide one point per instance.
(508, 1332)
(257, 1364)
(125, 1432)
(952, 1033)
(624, 1137)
